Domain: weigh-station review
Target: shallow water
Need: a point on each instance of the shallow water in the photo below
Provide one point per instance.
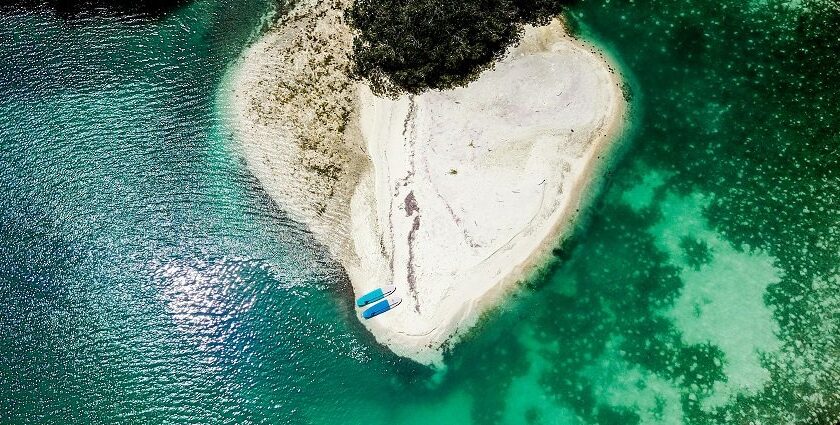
(145, 278)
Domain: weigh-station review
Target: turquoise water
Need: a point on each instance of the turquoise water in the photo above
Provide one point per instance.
(146, 278)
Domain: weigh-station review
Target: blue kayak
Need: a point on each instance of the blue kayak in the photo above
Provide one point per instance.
(375, 295)
(381, 307)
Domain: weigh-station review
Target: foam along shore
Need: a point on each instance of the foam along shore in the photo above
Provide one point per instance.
(452, 196)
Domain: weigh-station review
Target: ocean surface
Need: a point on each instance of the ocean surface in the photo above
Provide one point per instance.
(145, 278)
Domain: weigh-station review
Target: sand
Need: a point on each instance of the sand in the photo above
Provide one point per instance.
(452, 196)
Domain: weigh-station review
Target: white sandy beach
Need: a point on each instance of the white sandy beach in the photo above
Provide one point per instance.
(452, 196)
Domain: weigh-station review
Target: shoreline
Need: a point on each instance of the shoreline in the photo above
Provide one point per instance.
(352, 209)
(307, 162)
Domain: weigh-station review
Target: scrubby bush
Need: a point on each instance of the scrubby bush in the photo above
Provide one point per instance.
(414, 45)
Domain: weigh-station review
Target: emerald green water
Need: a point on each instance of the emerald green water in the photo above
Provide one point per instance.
(145, 278)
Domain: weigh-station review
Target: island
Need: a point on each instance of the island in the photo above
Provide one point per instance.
(453, 196)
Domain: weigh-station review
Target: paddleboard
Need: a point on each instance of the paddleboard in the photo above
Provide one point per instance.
(381, 307)
(375, 295)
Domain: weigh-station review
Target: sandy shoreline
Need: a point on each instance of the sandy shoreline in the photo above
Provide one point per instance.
(452, 196)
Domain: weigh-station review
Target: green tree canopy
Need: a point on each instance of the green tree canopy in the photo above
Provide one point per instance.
(414, 45)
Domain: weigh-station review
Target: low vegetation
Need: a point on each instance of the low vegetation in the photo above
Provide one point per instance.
(414, 45)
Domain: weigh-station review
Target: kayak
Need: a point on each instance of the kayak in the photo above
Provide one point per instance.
(375, 295)
(381, 307)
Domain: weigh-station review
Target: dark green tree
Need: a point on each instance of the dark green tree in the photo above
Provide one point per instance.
(414, 45)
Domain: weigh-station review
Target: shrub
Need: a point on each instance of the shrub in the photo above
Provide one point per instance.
(415, 45)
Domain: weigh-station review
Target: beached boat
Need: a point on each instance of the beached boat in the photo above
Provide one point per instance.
(381, 307)
(375, 295)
